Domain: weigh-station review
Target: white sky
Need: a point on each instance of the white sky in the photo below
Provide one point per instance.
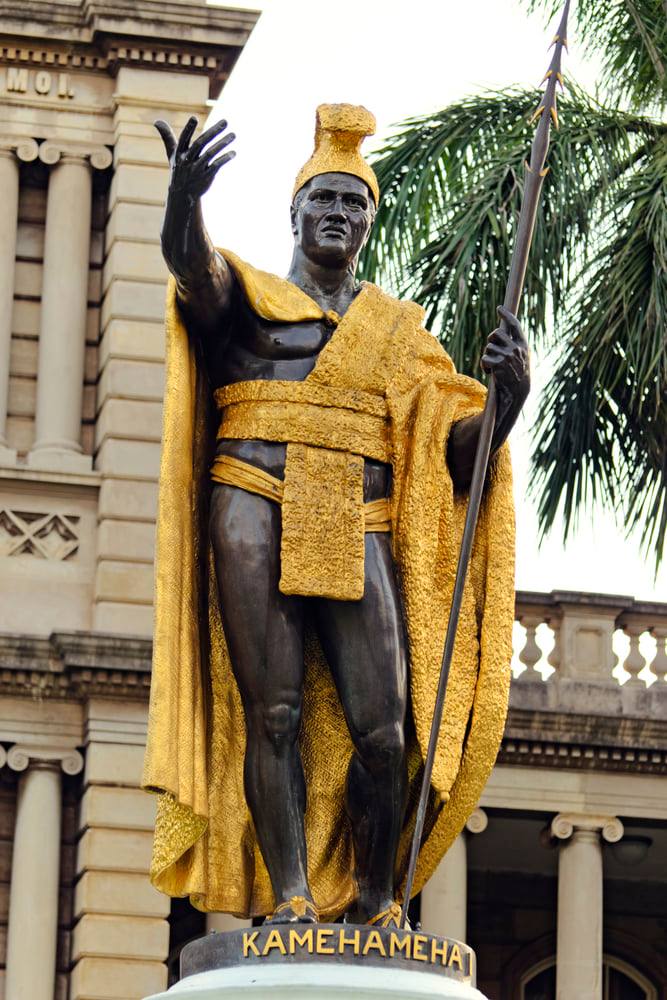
(399, 59)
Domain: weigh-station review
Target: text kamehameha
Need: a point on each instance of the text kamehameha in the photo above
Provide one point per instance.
(345, 941)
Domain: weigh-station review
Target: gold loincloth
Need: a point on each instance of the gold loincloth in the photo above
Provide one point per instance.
(232, 471)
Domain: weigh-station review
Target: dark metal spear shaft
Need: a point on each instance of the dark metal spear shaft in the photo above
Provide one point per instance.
(535, 174)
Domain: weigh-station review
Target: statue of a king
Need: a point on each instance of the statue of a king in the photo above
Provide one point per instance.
(318, 444)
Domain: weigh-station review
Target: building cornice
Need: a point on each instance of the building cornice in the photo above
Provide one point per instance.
(585, 740)
(182, 21)
(582, 757)
(559, 600)
(75, 666)
(182, 35)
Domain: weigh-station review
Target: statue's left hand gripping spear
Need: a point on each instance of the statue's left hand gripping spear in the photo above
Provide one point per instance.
(547, 113)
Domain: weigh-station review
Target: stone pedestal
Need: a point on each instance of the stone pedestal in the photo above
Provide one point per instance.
(325, 962)
(312, 982)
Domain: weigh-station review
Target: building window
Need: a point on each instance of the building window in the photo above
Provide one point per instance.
(621, 982)
(540, 983)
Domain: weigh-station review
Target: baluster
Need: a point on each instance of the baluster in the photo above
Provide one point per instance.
(531, 652)
(634, 661)
(554, 657)
(659, 664)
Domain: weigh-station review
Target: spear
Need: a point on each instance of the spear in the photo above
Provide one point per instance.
(546, 113)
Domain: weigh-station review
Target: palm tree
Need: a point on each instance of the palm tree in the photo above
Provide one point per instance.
(452, 184)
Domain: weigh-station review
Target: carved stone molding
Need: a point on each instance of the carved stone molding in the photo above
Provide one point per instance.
(75, 666)
(51, 151)
(585, 757)
(25, 148)
(477, 821)
(609, 828)
(163, 57)
(60, 59)
(31, 55)
(21, 756)
(34, 533)
(216, 66)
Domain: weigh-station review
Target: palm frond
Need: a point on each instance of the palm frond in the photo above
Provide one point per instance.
(631, 38)
(602, 430)
(452, 185)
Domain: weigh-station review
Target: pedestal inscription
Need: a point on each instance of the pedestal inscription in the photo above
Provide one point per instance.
(330, 943)
(332, 961)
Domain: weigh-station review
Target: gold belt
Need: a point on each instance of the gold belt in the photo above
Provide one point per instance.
(307, 413)
(233, 472)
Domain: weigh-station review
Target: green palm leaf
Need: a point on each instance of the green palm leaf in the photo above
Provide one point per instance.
(452, 185)
(603, 422)
(631, 38)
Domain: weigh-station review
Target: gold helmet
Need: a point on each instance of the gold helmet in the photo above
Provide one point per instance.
(340, 130)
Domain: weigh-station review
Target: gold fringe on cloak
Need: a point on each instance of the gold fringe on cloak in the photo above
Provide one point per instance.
(205, 845)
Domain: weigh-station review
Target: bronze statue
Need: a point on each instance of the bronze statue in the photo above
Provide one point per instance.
(340, 419)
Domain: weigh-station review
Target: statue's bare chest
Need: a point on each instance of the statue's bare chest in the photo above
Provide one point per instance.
(282, 341)
(260, 349)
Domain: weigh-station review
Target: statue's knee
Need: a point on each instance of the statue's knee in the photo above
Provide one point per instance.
(383, 747)
(281, 724)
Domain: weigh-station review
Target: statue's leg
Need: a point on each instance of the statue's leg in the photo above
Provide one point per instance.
(366, 646)
(264, 633)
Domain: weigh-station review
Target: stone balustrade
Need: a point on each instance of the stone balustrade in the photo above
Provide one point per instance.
(601, 638)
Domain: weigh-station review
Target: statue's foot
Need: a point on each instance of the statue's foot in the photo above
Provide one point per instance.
(295, 910)
(390, 916)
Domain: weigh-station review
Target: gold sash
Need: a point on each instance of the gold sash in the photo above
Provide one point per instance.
(329, 432)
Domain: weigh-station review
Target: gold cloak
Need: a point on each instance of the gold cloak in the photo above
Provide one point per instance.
(205, 845)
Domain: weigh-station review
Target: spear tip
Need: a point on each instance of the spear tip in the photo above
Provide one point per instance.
(562, 28)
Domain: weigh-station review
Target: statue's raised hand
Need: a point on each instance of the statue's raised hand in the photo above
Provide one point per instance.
(194, 165)
(203, 280)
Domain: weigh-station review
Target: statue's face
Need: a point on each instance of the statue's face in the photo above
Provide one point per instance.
(331, 218)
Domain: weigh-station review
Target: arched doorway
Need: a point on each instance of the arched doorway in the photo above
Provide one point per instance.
(620, 982)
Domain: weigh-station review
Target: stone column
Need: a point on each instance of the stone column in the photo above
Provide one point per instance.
(131, 358)
(580, 911)
(33, 901)
(11, 151)
(62, 333)
(444, 899)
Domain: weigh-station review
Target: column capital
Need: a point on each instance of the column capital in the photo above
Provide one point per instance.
(609, 828)
(22, 146)
(477, 821)
(21, 756)
(51, 151)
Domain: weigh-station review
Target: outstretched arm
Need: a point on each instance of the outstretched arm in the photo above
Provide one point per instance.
(506, 358)
(203, 280)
